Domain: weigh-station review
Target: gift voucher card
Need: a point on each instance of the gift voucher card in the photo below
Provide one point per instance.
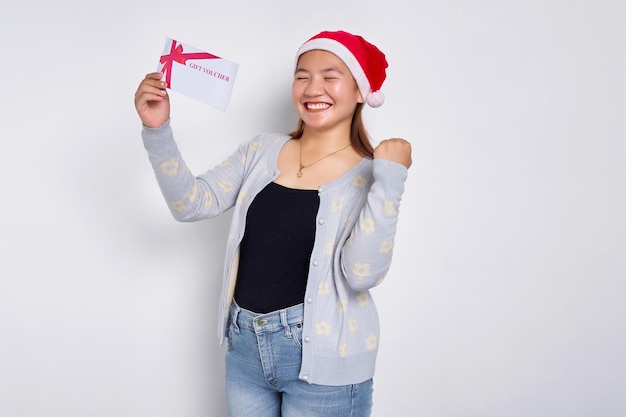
(198, 74)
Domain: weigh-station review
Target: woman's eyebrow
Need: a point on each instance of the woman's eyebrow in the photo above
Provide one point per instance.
(325, 70)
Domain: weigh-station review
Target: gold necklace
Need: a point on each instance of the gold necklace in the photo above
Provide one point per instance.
(299, 174)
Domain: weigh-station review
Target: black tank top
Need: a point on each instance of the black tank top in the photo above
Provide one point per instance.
(276, 249)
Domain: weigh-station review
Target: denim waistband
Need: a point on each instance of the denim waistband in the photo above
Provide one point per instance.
(272, 321)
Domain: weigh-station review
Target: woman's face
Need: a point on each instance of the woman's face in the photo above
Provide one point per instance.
(324, 92)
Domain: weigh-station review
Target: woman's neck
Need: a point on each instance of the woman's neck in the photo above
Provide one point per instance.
(325, 141)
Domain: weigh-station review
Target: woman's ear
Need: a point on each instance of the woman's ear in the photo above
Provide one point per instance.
(359, 97)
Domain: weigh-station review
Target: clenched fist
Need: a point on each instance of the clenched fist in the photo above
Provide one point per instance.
(396, 150)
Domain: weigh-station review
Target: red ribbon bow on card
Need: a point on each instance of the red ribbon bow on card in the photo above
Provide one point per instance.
(176, 54)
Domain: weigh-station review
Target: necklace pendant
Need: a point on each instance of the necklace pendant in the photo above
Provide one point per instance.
(299, 174)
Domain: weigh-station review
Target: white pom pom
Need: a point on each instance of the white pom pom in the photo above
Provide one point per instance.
(376, 99)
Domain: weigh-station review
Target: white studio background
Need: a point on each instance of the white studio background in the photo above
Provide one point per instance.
(506, 297)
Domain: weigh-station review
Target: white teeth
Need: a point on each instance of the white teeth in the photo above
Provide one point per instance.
(317, 106)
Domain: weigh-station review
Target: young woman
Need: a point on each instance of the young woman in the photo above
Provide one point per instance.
(313, 227)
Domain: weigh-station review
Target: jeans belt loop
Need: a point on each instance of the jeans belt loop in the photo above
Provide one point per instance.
(234, 316)
(284, 322)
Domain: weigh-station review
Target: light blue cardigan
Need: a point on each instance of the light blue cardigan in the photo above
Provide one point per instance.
(356, 225)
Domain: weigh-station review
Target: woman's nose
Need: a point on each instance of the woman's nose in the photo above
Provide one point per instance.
(314, 87)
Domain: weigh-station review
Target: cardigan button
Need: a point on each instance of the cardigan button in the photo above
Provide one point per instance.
(305, 377)
(307, 339)
(321, 221)
(315, 262)
(309, 300)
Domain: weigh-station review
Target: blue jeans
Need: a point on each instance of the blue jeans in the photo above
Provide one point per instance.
(262, 367)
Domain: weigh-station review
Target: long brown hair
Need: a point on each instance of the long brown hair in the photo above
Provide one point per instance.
(359, 138)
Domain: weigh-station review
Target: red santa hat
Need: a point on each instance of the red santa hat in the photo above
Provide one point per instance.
(364, 60)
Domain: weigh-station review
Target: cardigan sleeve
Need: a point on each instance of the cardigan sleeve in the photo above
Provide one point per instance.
(366, 256)
(191, 198)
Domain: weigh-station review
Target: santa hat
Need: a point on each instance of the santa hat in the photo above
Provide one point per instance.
(364, 60)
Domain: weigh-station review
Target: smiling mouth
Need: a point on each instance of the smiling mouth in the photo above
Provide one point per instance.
(317, 106)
